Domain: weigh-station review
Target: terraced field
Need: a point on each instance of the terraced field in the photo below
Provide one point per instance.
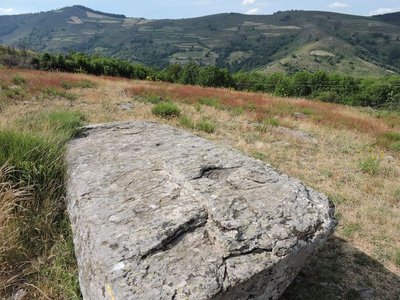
(285, 41)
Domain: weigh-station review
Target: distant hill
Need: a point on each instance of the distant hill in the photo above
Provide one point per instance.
(285, 41)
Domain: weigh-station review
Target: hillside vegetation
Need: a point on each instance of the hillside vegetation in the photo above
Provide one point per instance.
(335, 88)
(285, 41)
(351, 154)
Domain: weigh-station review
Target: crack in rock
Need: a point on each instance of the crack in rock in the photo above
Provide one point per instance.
(176, 235)
(213, 172)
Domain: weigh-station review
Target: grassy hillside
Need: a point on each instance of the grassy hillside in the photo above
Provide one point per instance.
(285, 41)
(351, 154)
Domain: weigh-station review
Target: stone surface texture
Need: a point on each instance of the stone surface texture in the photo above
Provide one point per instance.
(158, 213)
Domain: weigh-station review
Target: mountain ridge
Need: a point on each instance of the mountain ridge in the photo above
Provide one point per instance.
(285, 41)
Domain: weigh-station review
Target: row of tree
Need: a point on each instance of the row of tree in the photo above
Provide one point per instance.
(375, 92)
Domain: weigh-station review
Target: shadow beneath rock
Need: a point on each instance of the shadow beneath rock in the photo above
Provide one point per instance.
(340, 271)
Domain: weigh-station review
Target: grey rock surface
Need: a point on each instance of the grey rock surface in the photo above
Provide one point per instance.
(158, 213)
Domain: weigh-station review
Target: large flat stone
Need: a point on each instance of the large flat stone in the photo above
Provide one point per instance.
(158, 213)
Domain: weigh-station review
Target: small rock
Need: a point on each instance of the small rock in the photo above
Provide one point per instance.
(298, 134)
(126, 106)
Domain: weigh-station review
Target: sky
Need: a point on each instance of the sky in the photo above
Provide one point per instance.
(174, 9)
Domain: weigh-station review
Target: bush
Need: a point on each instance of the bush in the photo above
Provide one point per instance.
(166, 110)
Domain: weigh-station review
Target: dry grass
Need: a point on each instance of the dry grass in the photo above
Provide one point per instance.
(347, 140)
(10, 198)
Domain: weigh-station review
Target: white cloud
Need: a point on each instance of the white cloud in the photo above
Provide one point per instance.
(6, 11)
(383, 10)
(339, 5)
(253, 11)
(248, 2)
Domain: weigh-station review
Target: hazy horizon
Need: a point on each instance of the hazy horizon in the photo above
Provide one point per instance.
(176, 9)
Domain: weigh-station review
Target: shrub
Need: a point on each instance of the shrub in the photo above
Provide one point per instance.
(206, 126)
(166, 110)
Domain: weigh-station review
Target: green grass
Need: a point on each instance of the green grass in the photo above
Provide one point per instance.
(212, 102)
(271, 122)
(236, 111)
(187, 122)
(396, 196)
(351, 229)
(36, 228)
(397, 257)
(390, 139)
(206, 126)
(56, 93)
(12, 93)
(60, 273)
(18, 80)
(64, 124)
(166, 110)
(370, 165)
(307, 111)
(83, 84)
(266, 124)
(153, 99)
(259, 155)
